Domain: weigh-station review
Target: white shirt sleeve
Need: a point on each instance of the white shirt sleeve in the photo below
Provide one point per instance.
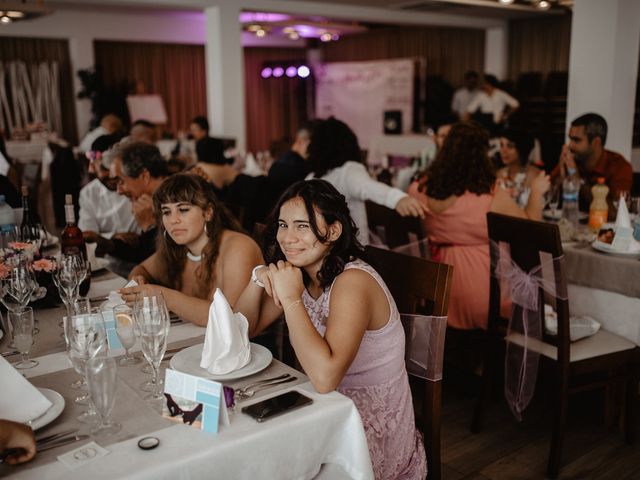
(87, 218)
(474, 104)
(455, 103)
(509, 100)
(356, 183)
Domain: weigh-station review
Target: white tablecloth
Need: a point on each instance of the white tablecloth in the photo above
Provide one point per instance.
(412, 145)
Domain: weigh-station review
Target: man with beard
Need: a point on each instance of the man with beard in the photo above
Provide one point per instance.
(102, 210)
(585, 153)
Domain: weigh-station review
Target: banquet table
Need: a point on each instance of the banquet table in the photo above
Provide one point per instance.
(604, 287)
(326, 436)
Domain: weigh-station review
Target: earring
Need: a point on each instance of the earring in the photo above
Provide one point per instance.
(165, 235)
(205, 229)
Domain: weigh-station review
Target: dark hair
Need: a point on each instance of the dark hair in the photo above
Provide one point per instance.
(594, 126)
(144, 123)
(522, 141)
(332, 144)
(202, 122)
(445, 119)
(319, 196)
(211, 150)
(471, 74)
(189, 188)
(140, 156)
(105, 142)
(491, 80)
(462, 164)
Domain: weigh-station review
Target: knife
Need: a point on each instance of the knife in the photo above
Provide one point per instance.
(60, 442)
(55, 436)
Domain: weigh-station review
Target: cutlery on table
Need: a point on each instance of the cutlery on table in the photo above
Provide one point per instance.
(60, 442)
(9, 353)
(252, 391)
(240, 390)
(55, 436)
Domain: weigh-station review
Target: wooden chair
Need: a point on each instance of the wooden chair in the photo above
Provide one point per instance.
(601, 353)
(393, 229)
(422, 287)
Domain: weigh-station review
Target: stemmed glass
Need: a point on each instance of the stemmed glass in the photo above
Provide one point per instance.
(126, 331)
(552, 198)
(87, 339)
(152, 318)
(102, 375)
(21, 322)
(67, 278)
(18, 286)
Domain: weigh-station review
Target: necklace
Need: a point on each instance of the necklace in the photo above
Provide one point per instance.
(192, 257)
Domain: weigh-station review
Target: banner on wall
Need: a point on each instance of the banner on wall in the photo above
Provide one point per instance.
(358, 93)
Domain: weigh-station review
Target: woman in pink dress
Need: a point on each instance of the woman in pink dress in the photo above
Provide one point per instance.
(343, 323)
(458, 189)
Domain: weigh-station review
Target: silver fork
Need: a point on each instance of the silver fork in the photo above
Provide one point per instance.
(241, 390)
(252, 391)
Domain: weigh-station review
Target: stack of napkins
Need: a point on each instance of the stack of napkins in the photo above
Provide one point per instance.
(226, 342)
(20, 401)
(623, 240)
(114, 298)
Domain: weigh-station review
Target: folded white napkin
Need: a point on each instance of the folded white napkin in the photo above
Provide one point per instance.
(226, 341)
(623, 240)
(20, 401)
(579, 327)
(114, 298)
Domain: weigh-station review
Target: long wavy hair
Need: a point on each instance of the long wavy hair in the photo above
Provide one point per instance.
(331, 145)
(462, 164)
(192, 189)
(321, 197)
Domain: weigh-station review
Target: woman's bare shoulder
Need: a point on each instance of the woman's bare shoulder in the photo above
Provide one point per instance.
(237, 241)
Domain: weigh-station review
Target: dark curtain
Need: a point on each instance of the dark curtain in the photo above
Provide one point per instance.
(448, 52)
(275, 107)
(175, 72)
(539, 45)
(36, 50)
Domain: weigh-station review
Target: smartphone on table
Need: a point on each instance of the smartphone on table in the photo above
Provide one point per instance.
(274, 406)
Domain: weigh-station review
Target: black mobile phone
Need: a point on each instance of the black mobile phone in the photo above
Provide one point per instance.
(274, 406)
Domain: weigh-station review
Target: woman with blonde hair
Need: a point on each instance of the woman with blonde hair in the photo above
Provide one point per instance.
(200, 247)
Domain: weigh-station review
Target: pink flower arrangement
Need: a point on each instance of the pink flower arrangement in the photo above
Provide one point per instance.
(20, 246)
(45, 264)
(4, 270)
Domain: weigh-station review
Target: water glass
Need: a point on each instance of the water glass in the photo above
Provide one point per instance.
(18, 286)
(126, 331)
(102, 376)
(21, 322)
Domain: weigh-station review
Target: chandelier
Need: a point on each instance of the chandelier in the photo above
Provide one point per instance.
(15, 11)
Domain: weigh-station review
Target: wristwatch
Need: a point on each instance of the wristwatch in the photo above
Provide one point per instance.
(254, 277)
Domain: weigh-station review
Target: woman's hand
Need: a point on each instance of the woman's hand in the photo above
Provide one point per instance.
(19, 436)
(410, 207)
(286, 281)
(139, 279)
(129, 294)
(540, 184)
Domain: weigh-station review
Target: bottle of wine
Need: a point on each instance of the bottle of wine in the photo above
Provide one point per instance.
(28, 227)
(72, 241)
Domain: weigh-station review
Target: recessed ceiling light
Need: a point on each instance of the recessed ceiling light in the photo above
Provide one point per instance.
(254, 28)
(260, 33)
(294, 35)
(544, 5)
(325, 37)
(506, 2)
(14, 14)
(5, 20)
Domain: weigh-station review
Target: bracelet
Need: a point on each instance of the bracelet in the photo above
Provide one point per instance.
(254, 277)
(291, 305)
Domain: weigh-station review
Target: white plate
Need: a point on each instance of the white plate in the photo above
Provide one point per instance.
(188, 361)
(99, 264)
(607, 248)
(558, 215)
(54, 411)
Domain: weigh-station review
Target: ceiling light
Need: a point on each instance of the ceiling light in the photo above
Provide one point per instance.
(506, 2)
(303, 71)
(254, 28)
(326, 37)
(294, 35)
(14, 14)
(544, 5)
(266, 72)
(260, 33)
(11, 10)
(288, 30)
(5, 20)
(278, 72)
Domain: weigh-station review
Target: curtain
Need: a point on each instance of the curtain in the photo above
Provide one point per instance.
(276, 107)
(47, 64)
(539, 45)
(447, 52)
(176, 72)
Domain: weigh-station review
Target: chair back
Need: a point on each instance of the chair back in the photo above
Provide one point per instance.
(421, 290)
(393, 229)
(530, 243)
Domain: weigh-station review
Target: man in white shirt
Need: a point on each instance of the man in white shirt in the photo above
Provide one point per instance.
(492, 106)
(109, 125)
(465, 94)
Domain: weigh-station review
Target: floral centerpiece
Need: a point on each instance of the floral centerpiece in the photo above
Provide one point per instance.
(44, 269)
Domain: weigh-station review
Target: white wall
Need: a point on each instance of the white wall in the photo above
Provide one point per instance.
(496, 51)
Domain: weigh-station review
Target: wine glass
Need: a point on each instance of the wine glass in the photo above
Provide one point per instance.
(18, 286)
(22, 331)
(102, 376)
(66, 278)
(126, 331)
(152, 318)
(552, 198)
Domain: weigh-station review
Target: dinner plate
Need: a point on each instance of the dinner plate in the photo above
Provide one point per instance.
(548, 214)
(54, 411)
(188, 361)
(608, 248)
(99, 264)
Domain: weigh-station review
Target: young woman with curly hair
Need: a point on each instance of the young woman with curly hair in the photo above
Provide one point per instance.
(343, 323)
(200, 247)
(458, 190)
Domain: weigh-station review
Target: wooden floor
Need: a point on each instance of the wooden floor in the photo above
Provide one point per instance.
(506, 449)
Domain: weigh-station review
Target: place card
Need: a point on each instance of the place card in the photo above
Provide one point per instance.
(83, 455)
(194, 401)
(115, 347)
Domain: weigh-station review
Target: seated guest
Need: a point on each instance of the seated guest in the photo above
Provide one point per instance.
(139, 169)
(334, 156)
(290, 167)
(17, 436)
(143, 131)
(459, 190)
(201, 249)
(586, 154)
(517, 173)
(110, 124)
(199, 128)
(102, 210)
(343, 323)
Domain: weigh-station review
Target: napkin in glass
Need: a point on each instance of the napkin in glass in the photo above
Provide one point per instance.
(226, 342)
(623, 240)
(20, 401)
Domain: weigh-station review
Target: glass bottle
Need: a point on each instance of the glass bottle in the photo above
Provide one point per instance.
(72, 241)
